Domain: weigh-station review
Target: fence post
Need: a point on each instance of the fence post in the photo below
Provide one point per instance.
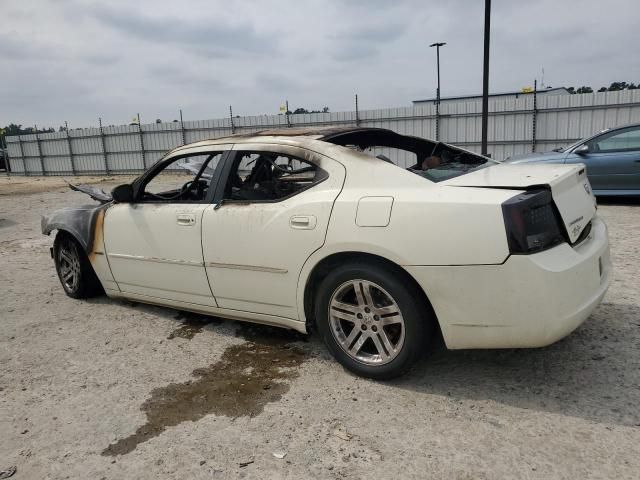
(5, 153)
(287, 114)
(73, 163)
(142, 152)
(233, 127)
(535, 115)
(357, 112)
(104, 147)
(44, 173)
(182, 129)
(24, 160)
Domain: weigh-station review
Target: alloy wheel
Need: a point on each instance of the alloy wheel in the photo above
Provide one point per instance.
(366, 322)
(69, 265)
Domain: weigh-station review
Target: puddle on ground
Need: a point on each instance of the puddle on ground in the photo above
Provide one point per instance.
(192, 323)
(241, 383)
(6, 223)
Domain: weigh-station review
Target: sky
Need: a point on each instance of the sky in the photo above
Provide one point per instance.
(77, 60)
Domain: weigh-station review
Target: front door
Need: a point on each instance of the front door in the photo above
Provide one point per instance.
(154, 244)
(272, 213)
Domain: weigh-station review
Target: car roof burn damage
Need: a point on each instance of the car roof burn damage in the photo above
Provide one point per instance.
(360, 137)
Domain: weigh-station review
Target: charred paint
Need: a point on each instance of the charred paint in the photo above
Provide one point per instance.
(97, 240)
(79, 221)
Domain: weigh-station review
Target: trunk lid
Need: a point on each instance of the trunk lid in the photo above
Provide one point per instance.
(569, 186)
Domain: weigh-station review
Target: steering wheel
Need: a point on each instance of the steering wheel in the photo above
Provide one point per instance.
(201, 185)
(194, 189)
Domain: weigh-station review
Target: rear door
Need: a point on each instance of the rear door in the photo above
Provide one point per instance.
(613, 160)
(272, 211)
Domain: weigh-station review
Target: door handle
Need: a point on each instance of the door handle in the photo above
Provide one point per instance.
(303, 222)
(186, 219)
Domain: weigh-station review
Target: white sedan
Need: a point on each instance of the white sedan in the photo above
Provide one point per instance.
(317, 228)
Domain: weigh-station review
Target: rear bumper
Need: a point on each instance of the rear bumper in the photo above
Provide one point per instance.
(529, 301)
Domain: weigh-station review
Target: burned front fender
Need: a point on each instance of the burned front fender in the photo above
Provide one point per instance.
(81, 222)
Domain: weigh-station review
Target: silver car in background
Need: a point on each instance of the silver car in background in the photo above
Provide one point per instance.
(612, 158)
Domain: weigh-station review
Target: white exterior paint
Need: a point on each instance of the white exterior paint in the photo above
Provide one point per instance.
(450, 237)
(152, 254)
(271, 235)
(529, 301)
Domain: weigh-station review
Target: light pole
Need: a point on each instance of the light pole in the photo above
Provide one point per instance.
(438, 45)
(485, 77)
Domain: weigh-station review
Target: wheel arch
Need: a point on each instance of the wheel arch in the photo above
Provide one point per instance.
(84, 224)
(65, 230)
(324, 265)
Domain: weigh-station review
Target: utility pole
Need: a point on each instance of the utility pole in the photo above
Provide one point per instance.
(438, 45)
(485, 76)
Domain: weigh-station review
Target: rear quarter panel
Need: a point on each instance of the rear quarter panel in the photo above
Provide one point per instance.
(430, 224)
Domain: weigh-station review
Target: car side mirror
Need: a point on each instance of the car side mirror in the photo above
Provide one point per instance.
(582, 149)
(122, 193)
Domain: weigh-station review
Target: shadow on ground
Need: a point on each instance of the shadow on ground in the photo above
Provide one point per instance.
(593, 374)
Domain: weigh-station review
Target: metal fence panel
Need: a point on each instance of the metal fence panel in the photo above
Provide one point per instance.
(559, 120)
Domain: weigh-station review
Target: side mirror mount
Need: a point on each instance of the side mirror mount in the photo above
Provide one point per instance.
(582, 149)
(122, 193)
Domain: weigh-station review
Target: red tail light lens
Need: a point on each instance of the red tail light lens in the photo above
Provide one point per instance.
(532, 222)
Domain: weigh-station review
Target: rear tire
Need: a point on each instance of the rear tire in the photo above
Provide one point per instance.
(374, 322)
(74, 269)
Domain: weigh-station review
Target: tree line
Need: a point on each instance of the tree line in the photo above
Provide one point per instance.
(614, 87)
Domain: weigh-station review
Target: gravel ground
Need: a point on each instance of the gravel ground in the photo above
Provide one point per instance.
(106, 389)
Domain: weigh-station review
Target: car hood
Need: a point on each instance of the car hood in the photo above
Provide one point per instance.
(94, 192)
(569, 186)
(537, 157)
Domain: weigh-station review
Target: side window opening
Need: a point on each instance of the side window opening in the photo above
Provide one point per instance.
(269, 176)
(184, 180)
(627, 140)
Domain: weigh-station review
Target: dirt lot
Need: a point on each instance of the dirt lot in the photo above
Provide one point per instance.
(106, 389)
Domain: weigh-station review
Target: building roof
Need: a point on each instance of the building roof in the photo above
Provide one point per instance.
(500, 94)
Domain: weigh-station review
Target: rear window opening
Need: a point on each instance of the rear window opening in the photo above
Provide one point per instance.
(435, 161)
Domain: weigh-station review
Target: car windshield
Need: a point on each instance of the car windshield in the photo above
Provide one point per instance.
(194, 164)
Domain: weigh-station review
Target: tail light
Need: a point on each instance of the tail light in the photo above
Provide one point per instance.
(532, 222)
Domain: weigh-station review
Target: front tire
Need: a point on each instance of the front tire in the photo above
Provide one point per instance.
(74, 269)
(373, 321)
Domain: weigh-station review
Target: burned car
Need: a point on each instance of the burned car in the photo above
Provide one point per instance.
(318, 229)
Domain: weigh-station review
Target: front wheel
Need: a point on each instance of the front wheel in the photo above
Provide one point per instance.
(74, 270)
(373, 321)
